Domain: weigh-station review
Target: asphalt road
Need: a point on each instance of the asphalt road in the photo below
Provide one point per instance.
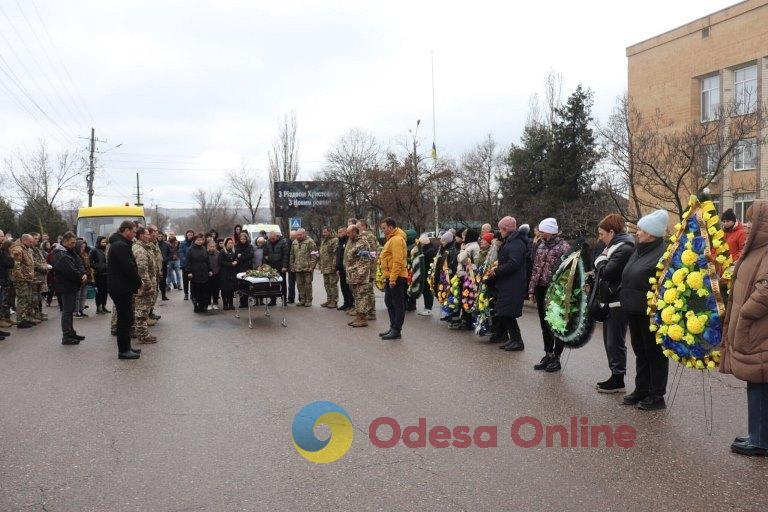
(203, 422)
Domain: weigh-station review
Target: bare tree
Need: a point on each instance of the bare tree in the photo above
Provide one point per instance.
(655, 163)
(247, 189)
(553, 95)
(350, 162)
(284, 156)
(36, 176)
(213, 211)
(477, 179)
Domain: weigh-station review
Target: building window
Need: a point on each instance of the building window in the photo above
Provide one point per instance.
(745, 155)
(710, 97)
(745, 82)
(716, 201)
(742, 204)
(709, 160)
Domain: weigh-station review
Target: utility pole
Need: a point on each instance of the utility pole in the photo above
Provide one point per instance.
(91, 168)
(138, 192)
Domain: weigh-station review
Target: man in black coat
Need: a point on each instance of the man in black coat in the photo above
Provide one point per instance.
(346, 291)
(510, 280)
(276, 255)
(123, 283)
(70, 276)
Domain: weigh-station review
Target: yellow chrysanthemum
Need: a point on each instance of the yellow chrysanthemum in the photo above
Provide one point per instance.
(711, 365)
(670, 295)
(703, 293)
(696, 324)
(695, 280)
(667, 315)
(676, 332)
(679, 304)
(679, 276)
(689, 257)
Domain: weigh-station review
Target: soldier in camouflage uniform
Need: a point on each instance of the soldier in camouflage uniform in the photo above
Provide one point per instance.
(358, 274)
(23, 277)
(303, 261)
(373, 246)
(41, 281)
(143, 300)
(157, 255)
(328, 268)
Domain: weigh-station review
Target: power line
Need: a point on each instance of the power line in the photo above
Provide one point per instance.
(33, 58)
(61, 61)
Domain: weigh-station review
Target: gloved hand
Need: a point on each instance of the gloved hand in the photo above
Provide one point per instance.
(364, 254)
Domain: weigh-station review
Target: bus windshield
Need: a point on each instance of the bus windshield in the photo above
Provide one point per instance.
(90, 228)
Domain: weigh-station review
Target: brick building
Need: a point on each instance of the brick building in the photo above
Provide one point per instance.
(689, 72)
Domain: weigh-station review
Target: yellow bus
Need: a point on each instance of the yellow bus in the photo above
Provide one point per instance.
(96, 221)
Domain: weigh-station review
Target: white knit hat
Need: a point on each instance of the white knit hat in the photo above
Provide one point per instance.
(549, 226)
(655, 223)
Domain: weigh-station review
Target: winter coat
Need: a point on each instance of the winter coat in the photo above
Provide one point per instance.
(122, 272)
(470, 253)
(430, 251)
(276, 254)
(173, 247)
(634, 278)
(736, 238)
(165, 250)
(98, 262)
(340, 249)
(302, 259)
(328, 255)
(184, 248)
(511, 276)
(24, 268)
(394, 257)
(66, 266)
(198, 264)
(244, 255)
(6, 264)
(258, 256)
(745, 347)
(545, 261)
(611, 267)
(227, 273)
(51, 277)
(145, 262)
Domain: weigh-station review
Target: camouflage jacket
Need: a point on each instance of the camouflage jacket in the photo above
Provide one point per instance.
(157, 254)
(328, 255)
(358, 266)
(373, 246)
(302, 259)
(41, 267)
(24, 266)
(145, 261)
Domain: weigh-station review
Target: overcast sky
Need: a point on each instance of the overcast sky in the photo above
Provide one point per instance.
(190, 88)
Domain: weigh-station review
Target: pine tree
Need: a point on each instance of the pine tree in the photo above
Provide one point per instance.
(38, 216)
(8, 222)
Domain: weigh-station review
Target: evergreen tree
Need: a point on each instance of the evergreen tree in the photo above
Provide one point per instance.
(8, 218)
(39, 216)
(574, 149)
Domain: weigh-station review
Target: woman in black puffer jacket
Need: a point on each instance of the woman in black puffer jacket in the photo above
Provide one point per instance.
(609, 265)
(198, 270)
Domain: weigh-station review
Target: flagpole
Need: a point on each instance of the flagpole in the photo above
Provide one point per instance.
(434, 148)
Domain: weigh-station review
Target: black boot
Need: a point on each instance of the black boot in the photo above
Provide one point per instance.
(613, 385)
(514, 346)
(544, 362)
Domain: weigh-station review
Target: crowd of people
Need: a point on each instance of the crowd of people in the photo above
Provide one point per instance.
(495, 272)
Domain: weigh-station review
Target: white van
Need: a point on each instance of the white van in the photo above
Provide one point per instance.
(254, 230)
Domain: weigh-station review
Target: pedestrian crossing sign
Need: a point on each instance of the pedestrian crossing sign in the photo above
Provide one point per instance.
(295, 223)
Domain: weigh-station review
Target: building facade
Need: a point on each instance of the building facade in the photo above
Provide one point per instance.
(691, 72)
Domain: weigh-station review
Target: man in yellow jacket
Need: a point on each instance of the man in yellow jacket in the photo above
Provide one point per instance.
(393, 265)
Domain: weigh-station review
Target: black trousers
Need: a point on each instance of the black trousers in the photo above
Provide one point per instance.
(67, 310)
(124, 312)
(200, 294)
(346, 290)
(652, 364)
(394, 299)
(551, 344)
(101, 290)
(291, 286)
(185, 281)
(213, 289)
(507, 326)
(162, 282)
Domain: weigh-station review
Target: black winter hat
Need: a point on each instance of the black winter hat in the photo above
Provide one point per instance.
(471, 235)
(729, 215)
